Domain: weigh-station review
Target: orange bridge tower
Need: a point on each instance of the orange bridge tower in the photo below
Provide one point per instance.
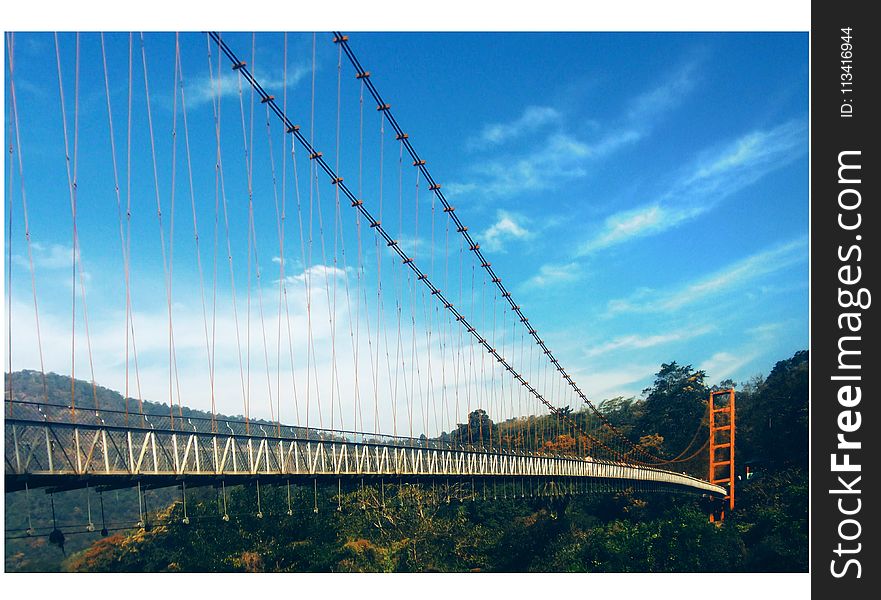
(722, 447)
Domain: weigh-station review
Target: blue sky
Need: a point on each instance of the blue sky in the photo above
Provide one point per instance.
(644, 196)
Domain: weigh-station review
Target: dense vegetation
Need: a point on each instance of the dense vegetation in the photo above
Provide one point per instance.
(385, 527)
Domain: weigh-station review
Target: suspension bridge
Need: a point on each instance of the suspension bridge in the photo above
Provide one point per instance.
(351, 352)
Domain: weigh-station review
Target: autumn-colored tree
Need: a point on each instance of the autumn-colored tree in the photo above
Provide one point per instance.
(651, 443)
(562, 444)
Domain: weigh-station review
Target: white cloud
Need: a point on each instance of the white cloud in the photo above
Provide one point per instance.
(734, 276)
(433, 387)
(315, 273)
(203, 89)
(561, 156)
(533, 118)
(626, 380)
(710, 179)
(508, 226)
(52, 265)
(638, 222)
(766, 330)
(748, 158)
(51, 256)
(723, 365)
(550, 274)
(638, 342)
(667, 95)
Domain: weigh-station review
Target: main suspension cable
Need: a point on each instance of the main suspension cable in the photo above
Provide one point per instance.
(420, 163)
(375, 224)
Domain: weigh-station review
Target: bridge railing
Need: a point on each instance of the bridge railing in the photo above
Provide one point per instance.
(152, 420)
(133, 439)
(47, 453)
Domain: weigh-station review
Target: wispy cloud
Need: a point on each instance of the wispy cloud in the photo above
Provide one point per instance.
(639, 342)
(533, 118)
(668, 95)
(46, 256)
(724, 364)
(638, 222)
(297, 338)
(735, 275)
(715, 175)
(625, 380)
(508, 226)
(561, 155)
(202, 89)
(553, 273)
(316, 273)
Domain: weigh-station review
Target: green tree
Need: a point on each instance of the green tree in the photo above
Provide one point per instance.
(674, 406)
(773, 417)
(477, 431)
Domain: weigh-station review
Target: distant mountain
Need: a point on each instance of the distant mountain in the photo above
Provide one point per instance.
(28, 386)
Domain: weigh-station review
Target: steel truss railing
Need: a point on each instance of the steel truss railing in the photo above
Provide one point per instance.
(64, 454)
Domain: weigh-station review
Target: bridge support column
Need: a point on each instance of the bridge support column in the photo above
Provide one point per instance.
(722, 448)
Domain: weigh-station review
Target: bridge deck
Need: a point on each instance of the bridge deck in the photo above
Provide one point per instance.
(46, 446)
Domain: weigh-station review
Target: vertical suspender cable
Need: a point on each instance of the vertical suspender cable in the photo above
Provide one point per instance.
(198, 250)
(130, 325)
(27, 232)
(161, 235)
(282, 277)
(220, 178)
(73, 234)
(72, 184)
(118, 213)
